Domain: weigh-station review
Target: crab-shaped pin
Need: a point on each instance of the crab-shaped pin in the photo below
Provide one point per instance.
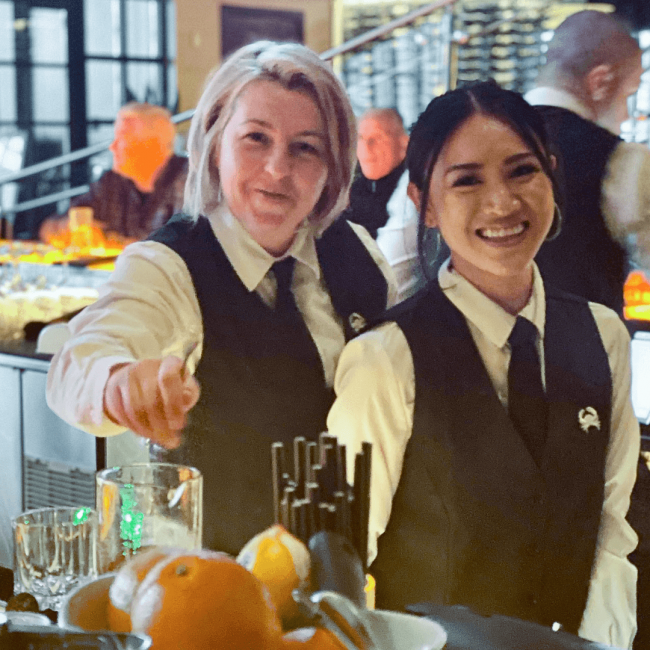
(587, 418)
(357, 322)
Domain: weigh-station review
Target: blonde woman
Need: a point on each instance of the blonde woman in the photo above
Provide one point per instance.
(258, 274)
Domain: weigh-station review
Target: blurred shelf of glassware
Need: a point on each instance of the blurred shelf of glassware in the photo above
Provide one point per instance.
(40, 283)
(474, 40)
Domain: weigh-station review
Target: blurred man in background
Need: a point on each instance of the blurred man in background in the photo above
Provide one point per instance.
(593, 66)
(378, 198)
(145, 186)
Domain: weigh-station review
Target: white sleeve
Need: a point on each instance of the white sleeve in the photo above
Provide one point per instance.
(375, 389)
(147, 309)
(610, 614)
(626, 199)
(380, 260)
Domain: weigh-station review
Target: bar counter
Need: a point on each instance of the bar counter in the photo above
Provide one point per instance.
(22, 348)
(47, 462)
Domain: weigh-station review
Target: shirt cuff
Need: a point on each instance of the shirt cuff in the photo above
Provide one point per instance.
(610, 613)
(91, 418)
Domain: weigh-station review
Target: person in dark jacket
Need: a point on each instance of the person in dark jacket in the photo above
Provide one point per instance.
(505, 445)
(593, 66)
(145, 186)
(258, 274)
(378, 199)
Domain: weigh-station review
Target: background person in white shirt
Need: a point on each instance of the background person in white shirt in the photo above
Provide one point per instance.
(271, 149)
(378, 199)
(593, 67)
(469, 505)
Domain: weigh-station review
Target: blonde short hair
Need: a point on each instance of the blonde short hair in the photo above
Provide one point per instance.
(295, 67)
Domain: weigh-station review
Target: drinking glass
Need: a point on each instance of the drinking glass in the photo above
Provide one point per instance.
(81, 227)
(147, 504)
(54, 550)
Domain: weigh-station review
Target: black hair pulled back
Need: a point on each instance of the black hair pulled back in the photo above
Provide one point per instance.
(447, 113)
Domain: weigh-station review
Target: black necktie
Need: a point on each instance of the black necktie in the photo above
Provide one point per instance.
(526, 398)
(289, 317)
(285, 303)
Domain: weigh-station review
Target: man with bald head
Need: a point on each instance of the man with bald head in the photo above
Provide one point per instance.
(593, 66)
(145, 186)
(378, 199)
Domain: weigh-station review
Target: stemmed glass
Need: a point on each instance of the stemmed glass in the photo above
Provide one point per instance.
(17, 250)
(11, 280)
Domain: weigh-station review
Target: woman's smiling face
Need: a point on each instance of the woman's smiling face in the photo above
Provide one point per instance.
(272, 162)
(491, 201)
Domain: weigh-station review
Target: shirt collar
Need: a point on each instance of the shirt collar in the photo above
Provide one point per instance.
(549, 96)
(250, 261)
(489, 318)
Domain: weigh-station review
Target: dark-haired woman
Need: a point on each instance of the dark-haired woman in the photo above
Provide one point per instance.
(505, 441)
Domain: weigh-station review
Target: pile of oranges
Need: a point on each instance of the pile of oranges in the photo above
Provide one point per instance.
(202, 600)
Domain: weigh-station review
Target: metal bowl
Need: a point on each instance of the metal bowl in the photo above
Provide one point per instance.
(28, 630)
(85, 608)
(397, 631)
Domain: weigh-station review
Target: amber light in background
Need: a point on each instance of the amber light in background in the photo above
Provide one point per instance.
(636, 294)
(92, 241)
(61, 251)
(370, 589)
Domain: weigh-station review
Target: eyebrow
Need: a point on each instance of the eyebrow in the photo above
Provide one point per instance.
(474, 166)
(315, 134)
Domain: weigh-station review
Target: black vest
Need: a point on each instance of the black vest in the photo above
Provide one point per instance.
(474, 520)
(584, 259)
(256, 388)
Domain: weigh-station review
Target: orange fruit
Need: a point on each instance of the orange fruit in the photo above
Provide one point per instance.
(281, 561)
(204, 600)
(109, 496)
(310, 638)
(126, 582)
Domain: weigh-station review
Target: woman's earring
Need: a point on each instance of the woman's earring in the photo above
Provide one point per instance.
(556, 224)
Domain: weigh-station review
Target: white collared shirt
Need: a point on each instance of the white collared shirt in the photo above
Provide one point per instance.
(398, 240)
(148, 309)
(375, 387)
(625, 192)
